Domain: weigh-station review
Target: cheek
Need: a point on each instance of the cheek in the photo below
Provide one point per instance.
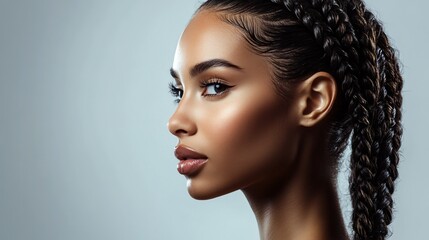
(243, 124)
(247, 138)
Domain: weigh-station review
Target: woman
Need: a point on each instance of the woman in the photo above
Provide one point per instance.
(269, 94)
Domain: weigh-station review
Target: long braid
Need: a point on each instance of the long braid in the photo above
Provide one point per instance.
(384, 113)
(370, 70)
(387, 122)
(391, 105)
(393, 85)
(367, 36)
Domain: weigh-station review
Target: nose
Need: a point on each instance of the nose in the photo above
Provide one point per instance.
(180, 123)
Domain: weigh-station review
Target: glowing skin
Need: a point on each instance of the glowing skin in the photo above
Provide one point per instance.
(245, 130)
(272, 149)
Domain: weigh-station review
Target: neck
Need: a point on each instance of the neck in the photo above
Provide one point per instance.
(302, 206)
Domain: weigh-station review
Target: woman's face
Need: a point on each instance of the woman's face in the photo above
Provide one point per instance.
(229, 111)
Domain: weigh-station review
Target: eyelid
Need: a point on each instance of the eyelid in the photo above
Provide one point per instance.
(212, 80)
(177, 82)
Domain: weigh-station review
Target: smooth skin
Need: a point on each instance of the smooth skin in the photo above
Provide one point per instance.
(272, 149)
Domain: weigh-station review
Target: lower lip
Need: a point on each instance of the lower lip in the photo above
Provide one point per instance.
(190, 167)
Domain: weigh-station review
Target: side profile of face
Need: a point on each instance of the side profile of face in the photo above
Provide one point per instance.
(229, 111)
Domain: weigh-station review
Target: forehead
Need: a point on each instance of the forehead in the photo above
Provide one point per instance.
(208, 37)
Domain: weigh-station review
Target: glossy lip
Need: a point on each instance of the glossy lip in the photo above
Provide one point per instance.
(191, 162)
(184, 153)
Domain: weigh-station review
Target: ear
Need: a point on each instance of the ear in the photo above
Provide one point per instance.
(316, 98)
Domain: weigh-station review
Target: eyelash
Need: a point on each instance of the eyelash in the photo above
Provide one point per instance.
(178, 92)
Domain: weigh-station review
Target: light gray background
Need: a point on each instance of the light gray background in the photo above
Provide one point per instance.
(84, 149)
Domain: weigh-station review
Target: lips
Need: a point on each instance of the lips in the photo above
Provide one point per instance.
(191, 162)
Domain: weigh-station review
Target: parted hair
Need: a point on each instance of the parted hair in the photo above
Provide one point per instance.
(342, 37)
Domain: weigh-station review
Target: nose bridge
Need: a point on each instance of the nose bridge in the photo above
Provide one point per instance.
(181, 121)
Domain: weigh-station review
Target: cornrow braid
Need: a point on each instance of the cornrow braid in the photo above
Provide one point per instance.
(345, 39)
(339, 23)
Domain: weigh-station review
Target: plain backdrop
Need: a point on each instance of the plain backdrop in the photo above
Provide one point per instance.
(84, 149)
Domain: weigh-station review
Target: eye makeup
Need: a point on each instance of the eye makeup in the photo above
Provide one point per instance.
(214, 87)
(176, 92)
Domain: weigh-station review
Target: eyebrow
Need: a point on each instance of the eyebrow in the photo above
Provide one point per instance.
(204, 66)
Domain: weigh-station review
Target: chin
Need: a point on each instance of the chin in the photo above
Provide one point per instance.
(201, 196)
(204, 191)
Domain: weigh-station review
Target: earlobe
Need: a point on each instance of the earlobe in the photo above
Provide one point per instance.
(318, 94)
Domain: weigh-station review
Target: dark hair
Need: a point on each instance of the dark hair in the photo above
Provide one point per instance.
(342, 37)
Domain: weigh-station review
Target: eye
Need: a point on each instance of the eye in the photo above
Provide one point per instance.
(176, 92)
(214, 87)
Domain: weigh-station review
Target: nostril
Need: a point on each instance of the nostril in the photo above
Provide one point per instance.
(180, 132)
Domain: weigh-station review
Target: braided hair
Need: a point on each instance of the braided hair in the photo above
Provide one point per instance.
(342, 37)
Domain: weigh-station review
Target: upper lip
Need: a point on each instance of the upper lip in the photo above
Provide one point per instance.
(184, 153)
